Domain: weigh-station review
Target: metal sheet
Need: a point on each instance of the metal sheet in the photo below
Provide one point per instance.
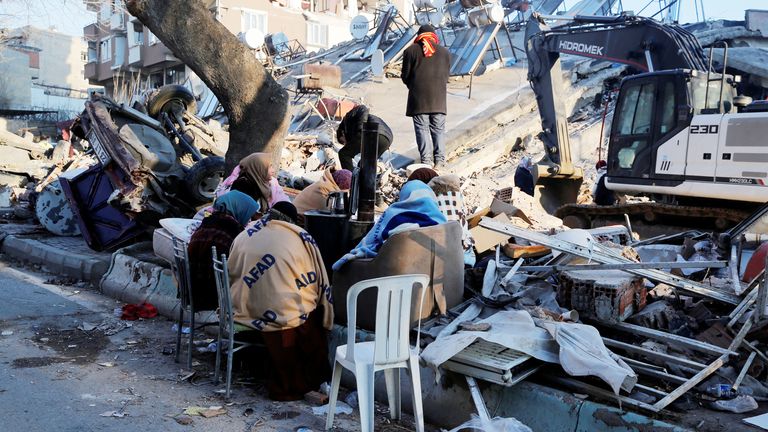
(469, 47)
(396, 49)
(378, 35)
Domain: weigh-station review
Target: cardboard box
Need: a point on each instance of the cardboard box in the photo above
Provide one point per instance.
(486, 239)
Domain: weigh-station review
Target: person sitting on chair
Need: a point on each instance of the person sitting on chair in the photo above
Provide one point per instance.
(416, 207)
(231, 213)
(350, 135)
(280, 288)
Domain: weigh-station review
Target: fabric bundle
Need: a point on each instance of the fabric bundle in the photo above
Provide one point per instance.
(415, 208)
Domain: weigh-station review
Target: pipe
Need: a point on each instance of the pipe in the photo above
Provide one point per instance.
(367, 185)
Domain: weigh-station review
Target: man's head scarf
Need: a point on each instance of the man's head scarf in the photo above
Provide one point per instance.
(428, 40)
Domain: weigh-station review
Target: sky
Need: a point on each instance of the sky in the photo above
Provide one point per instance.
(70, 16)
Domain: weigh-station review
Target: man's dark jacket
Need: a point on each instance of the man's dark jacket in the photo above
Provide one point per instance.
(426, 78)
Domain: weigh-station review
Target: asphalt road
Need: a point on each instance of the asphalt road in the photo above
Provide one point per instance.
(67, 363)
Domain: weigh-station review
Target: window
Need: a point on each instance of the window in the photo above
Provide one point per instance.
(156, 80)
(175, 75)
(92, 52)
(668, 118)
(84, 56)
(251, 19)
(119, 43)
(105, 50)
(138, 34)
(317, 34)
(151, 38)
(637, 110)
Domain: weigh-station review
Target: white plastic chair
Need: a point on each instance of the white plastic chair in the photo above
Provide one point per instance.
(226, 319)
(390, 352)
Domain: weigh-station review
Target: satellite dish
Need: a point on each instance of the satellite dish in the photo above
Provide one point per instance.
(253, 38)
(359, 27)
(377, 63)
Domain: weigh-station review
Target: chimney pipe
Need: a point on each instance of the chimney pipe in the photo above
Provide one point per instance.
(367, 184)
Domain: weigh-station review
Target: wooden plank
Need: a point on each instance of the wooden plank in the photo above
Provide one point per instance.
(668, 337)
(643, 370)
(651, 390)
(652, 354)
(744, 370)
(691, 383)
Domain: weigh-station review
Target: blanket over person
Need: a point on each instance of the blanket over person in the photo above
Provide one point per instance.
(314, 196)
(278, 277)
(416, 208)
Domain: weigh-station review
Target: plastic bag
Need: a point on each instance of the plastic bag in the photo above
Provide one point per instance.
(496, 424)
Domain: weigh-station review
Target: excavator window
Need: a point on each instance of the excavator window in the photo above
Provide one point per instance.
(668, 118)
(637, 110)
(633, 126)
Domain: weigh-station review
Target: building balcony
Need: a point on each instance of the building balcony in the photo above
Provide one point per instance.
(134, 54)
(117, 21)
(91, 71)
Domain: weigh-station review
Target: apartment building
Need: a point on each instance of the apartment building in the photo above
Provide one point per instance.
(42, 70)
(124, 56)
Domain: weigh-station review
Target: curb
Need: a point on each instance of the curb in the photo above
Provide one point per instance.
(130, 279)
(56, 260)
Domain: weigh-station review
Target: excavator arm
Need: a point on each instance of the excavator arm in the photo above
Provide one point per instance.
(639, 42)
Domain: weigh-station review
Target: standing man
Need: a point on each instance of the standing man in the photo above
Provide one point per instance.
(426, 68)
(350, 135)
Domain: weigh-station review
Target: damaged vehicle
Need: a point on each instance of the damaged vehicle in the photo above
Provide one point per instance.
(150, 166)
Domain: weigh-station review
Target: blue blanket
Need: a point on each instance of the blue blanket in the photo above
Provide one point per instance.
(416, 208)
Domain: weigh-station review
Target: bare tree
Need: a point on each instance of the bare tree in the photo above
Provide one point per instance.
(257, 106)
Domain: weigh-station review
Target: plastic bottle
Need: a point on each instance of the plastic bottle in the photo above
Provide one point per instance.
(722, 391)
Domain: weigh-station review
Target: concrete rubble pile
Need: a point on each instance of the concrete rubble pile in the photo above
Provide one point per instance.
(680, 317)
(29, 167)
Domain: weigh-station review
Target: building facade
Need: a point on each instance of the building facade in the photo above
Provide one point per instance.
(42, 70)
(125, 57)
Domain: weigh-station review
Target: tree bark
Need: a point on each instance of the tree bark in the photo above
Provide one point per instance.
(257, 106)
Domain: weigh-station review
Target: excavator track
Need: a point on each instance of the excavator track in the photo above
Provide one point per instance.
(717, 218)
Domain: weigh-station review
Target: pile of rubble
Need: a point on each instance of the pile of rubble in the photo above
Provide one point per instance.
(683, 315)
(28, 167)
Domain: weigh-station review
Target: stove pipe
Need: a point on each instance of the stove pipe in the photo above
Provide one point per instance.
(367, 182)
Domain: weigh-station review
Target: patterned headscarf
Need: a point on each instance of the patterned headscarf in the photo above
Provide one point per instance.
(428, 39)
(342, 178)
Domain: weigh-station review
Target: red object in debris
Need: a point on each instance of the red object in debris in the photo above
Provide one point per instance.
(334, 108)
(132, 312)
(756, 263)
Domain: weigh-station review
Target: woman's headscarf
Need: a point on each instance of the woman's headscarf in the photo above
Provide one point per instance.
(255, 167)
(239, 205)
(342, 178)
(423, 174)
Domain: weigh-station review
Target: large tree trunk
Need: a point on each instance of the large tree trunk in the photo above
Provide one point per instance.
(256, 105)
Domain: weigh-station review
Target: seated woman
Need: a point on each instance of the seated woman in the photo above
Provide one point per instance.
(255, 176)
(450, 200)
(280, 287)
(231, 212)
(314, 196)
(416, 207)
